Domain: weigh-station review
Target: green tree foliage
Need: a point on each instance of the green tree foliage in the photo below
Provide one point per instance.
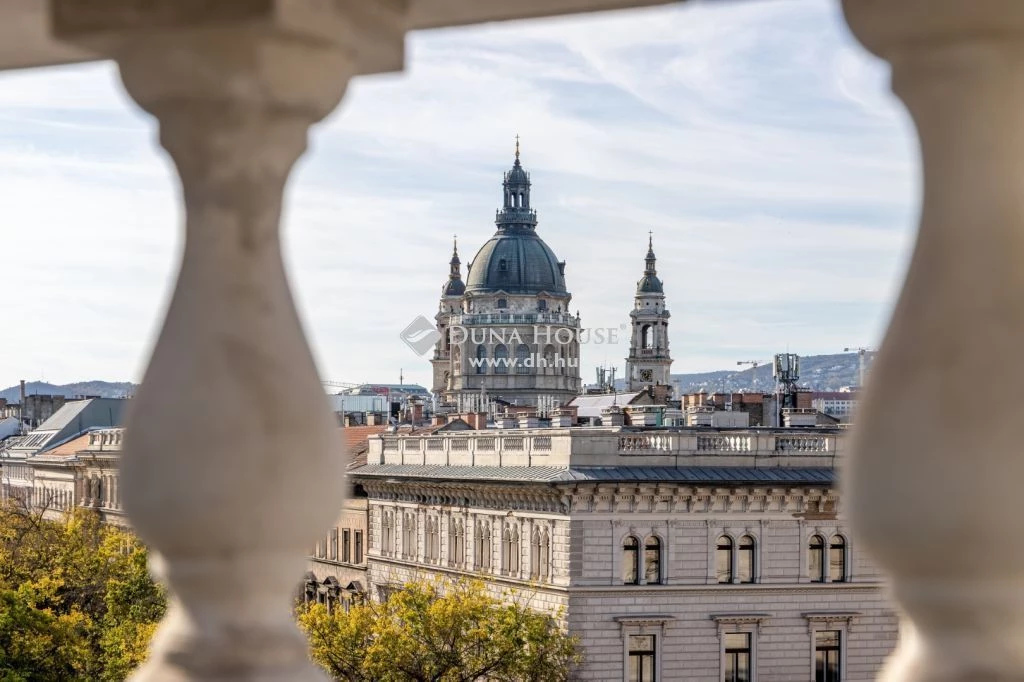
(439, 632)
(76, 599)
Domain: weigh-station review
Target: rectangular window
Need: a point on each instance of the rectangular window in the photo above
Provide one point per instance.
(358, 547)
(737, 657)
(641, 658)
(826, 656)
(332, 552)
(346, 545)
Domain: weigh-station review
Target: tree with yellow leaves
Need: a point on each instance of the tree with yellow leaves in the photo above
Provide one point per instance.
(441, 631)
(76, 598)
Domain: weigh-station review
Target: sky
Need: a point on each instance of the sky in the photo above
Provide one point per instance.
(757, 141)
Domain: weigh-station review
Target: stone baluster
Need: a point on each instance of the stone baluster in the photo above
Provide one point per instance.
(232, 461)
(934, 483)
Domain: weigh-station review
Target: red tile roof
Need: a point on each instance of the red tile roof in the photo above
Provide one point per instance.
(357, 435)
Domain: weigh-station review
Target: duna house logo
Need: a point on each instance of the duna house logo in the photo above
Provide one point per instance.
(420, 335)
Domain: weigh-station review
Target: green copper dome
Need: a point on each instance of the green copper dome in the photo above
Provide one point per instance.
(515, 260)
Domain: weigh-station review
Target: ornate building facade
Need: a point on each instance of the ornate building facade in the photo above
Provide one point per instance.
(649, 363)
(506, 332)
(674, 554)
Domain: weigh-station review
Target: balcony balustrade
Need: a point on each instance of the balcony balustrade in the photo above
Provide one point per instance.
(470, 319)
(231, 384)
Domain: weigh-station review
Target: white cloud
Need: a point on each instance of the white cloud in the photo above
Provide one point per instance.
(755, 139)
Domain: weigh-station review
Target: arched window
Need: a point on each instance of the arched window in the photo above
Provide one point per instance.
(501, 359)
(542, 304)
(652, 560)
(433, 548)
(510, 551)
(723, 559)
(630, 561)
(409, 537)
(481, 356)
(816, 559)
(535, 553)
(545, 554)
(522, 357)
(646, 337)
(482, 542)
(837, 559)
(457, 542)
(745, 560)
(549, 359)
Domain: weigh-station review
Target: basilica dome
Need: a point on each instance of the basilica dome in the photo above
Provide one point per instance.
(515, 260)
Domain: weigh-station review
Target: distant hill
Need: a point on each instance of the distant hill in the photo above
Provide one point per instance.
(104, 389)
(818, 372)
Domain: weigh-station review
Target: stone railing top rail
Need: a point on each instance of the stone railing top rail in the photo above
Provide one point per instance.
(612, 446)
(105, 439)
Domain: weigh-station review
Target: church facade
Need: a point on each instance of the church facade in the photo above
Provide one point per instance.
(506, 331)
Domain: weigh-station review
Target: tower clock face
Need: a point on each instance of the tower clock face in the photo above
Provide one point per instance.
(647, 375)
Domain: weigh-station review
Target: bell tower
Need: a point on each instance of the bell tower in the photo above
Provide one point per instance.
(649, 363)
(449, 307)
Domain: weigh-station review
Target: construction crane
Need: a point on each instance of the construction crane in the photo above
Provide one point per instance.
(753, 365)
(861, 352)
(339, 384)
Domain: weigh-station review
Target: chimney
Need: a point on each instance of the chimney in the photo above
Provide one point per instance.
(439, 420)
(612, 416)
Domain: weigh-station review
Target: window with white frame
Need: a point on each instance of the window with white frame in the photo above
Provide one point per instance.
(829, 634)
(545, 555)
(642, 640)
(745, 560)
(837, 559)
(723, 559)
(409, 536)
(630, 561)
(388, 534)
(738, 657)
(510, 553)
(433, 543)
(736, 561)
(535, 553)
(641, 662)
(482, 545)
(457, 544)
(816, 559)
(652, 560)
(827, 558)
(737, 636)
(827, 656)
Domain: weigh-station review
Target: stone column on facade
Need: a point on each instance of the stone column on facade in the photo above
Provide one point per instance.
(933, 487)
(232, 461)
